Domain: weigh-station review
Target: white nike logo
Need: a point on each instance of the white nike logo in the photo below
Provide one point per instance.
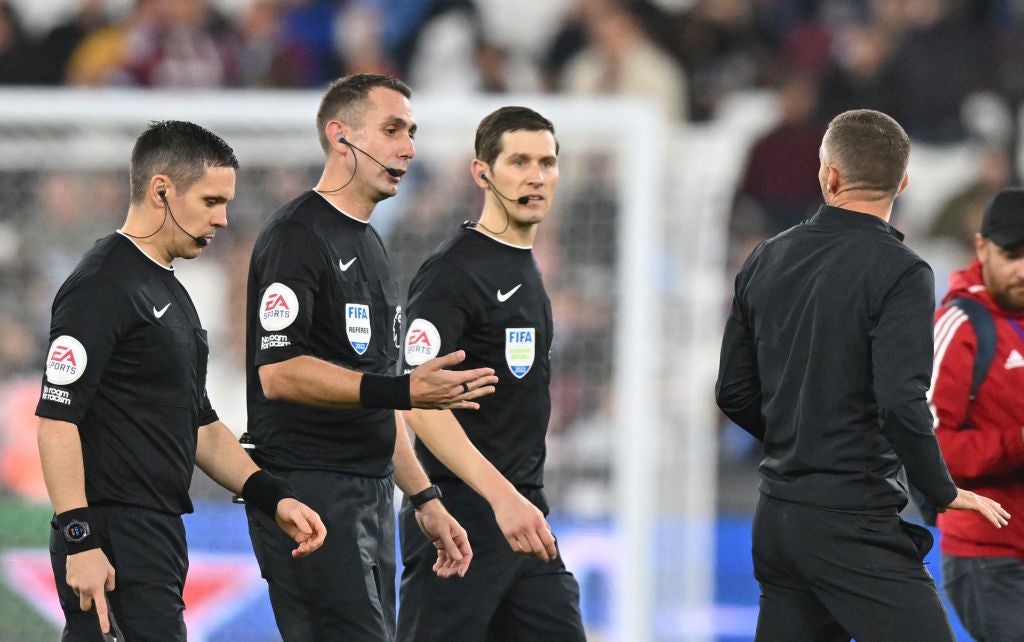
(504, 296)
(159, 313)
(345, 266)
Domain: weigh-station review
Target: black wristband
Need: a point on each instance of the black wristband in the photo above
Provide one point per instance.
(385, 391)
(263, 491)
(425, 495)
(76, 528)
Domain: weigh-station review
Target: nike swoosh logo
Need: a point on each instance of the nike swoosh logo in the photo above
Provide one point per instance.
(159, 313)
(504, 296)
(345, 266)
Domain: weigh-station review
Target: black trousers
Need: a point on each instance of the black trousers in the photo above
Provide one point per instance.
(150, 558)
(830, 576)
(346, 590)
(504, 597)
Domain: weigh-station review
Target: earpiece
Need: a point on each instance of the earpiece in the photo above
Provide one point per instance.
(162, 193)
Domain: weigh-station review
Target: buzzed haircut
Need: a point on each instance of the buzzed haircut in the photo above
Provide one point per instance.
(507, 119)
(181, 150)
(345, 100)
(870, 148)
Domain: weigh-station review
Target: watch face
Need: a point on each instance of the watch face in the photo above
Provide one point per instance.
(76, 531)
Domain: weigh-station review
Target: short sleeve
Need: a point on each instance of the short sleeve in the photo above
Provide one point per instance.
(437, 315)
(287, 280)
(89, 318)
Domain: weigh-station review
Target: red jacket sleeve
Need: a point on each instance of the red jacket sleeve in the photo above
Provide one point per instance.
(971, 448)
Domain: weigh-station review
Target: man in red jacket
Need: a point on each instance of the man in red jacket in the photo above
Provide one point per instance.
(982, 439)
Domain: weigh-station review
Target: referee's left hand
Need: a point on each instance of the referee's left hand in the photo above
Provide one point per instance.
(302, 524)
(448, 536)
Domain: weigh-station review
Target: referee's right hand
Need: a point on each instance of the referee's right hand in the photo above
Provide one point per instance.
(90, 576)
(434, 388)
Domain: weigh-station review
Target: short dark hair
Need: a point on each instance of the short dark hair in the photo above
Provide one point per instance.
(870, 148)
(345, 99)
(507, 119)
(180, 149)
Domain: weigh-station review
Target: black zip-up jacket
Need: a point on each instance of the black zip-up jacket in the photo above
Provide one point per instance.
(827, 358)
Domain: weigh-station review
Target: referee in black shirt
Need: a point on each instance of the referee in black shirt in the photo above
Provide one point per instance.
(482, 292)
(826, 359)
(323, 330)
(124, 415)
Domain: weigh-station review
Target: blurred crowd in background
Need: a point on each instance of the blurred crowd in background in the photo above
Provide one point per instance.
(924, 62)
(686, 54)
(950, 71)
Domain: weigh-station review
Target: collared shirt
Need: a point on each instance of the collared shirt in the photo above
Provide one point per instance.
(486, 297)
(320, 284)
(827, 357)
(127, 365)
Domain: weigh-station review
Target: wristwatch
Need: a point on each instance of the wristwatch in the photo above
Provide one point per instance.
(76, 531)
(424, 496)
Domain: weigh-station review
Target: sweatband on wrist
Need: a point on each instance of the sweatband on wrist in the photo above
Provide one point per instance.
(263, 491)
(385, 391)
(76, 529)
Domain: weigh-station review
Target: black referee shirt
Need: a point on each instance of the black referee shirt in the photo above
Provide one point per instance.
(486, 297)
(827, 357)
(127, 365)
(320, 284)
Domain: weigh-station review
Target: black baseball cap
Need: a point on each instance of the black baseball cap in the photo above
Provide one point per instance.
(1003, 222)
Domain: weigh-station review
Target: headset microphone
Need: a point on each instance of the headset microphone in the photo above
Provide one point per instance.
(200, 241)
(395, 173)
(522, 200)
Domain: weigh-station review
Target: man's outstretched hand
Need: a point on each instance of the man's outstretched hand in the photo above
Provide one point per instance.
(433, 387)
(987, 508)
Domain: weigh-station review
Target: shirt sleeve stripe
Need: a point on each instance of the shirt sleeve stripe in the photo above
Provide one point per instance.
(945, 329)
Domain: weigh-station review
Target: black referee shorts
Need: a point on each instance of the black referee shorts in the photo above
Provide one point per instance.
(828, 576)
(150, 558)
(505, 596)
(345, 591)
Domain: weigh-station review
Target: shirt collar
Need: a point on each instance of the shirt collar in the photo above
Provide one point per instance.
(828, 215)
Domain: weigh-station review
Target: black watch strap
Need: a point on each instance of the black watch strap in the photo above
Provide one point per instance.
(74, 526)
(424, 496)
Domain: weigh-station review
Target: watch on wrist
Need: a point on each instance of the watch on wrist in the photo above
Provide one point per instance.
(76, 531)
(424, 496)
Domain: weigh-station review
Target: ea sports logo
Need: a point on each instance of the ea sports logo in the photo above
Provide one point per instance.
(65, 361)
(422, 342)
(279, 307)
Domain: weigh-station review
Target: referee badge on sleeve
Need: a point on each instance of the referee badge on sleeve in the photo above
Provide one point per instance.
(422, 342)
(520, 348)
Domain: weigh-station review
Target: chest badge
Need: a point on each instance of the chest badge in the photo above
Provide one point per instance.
(520, 349)
(357, 326)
